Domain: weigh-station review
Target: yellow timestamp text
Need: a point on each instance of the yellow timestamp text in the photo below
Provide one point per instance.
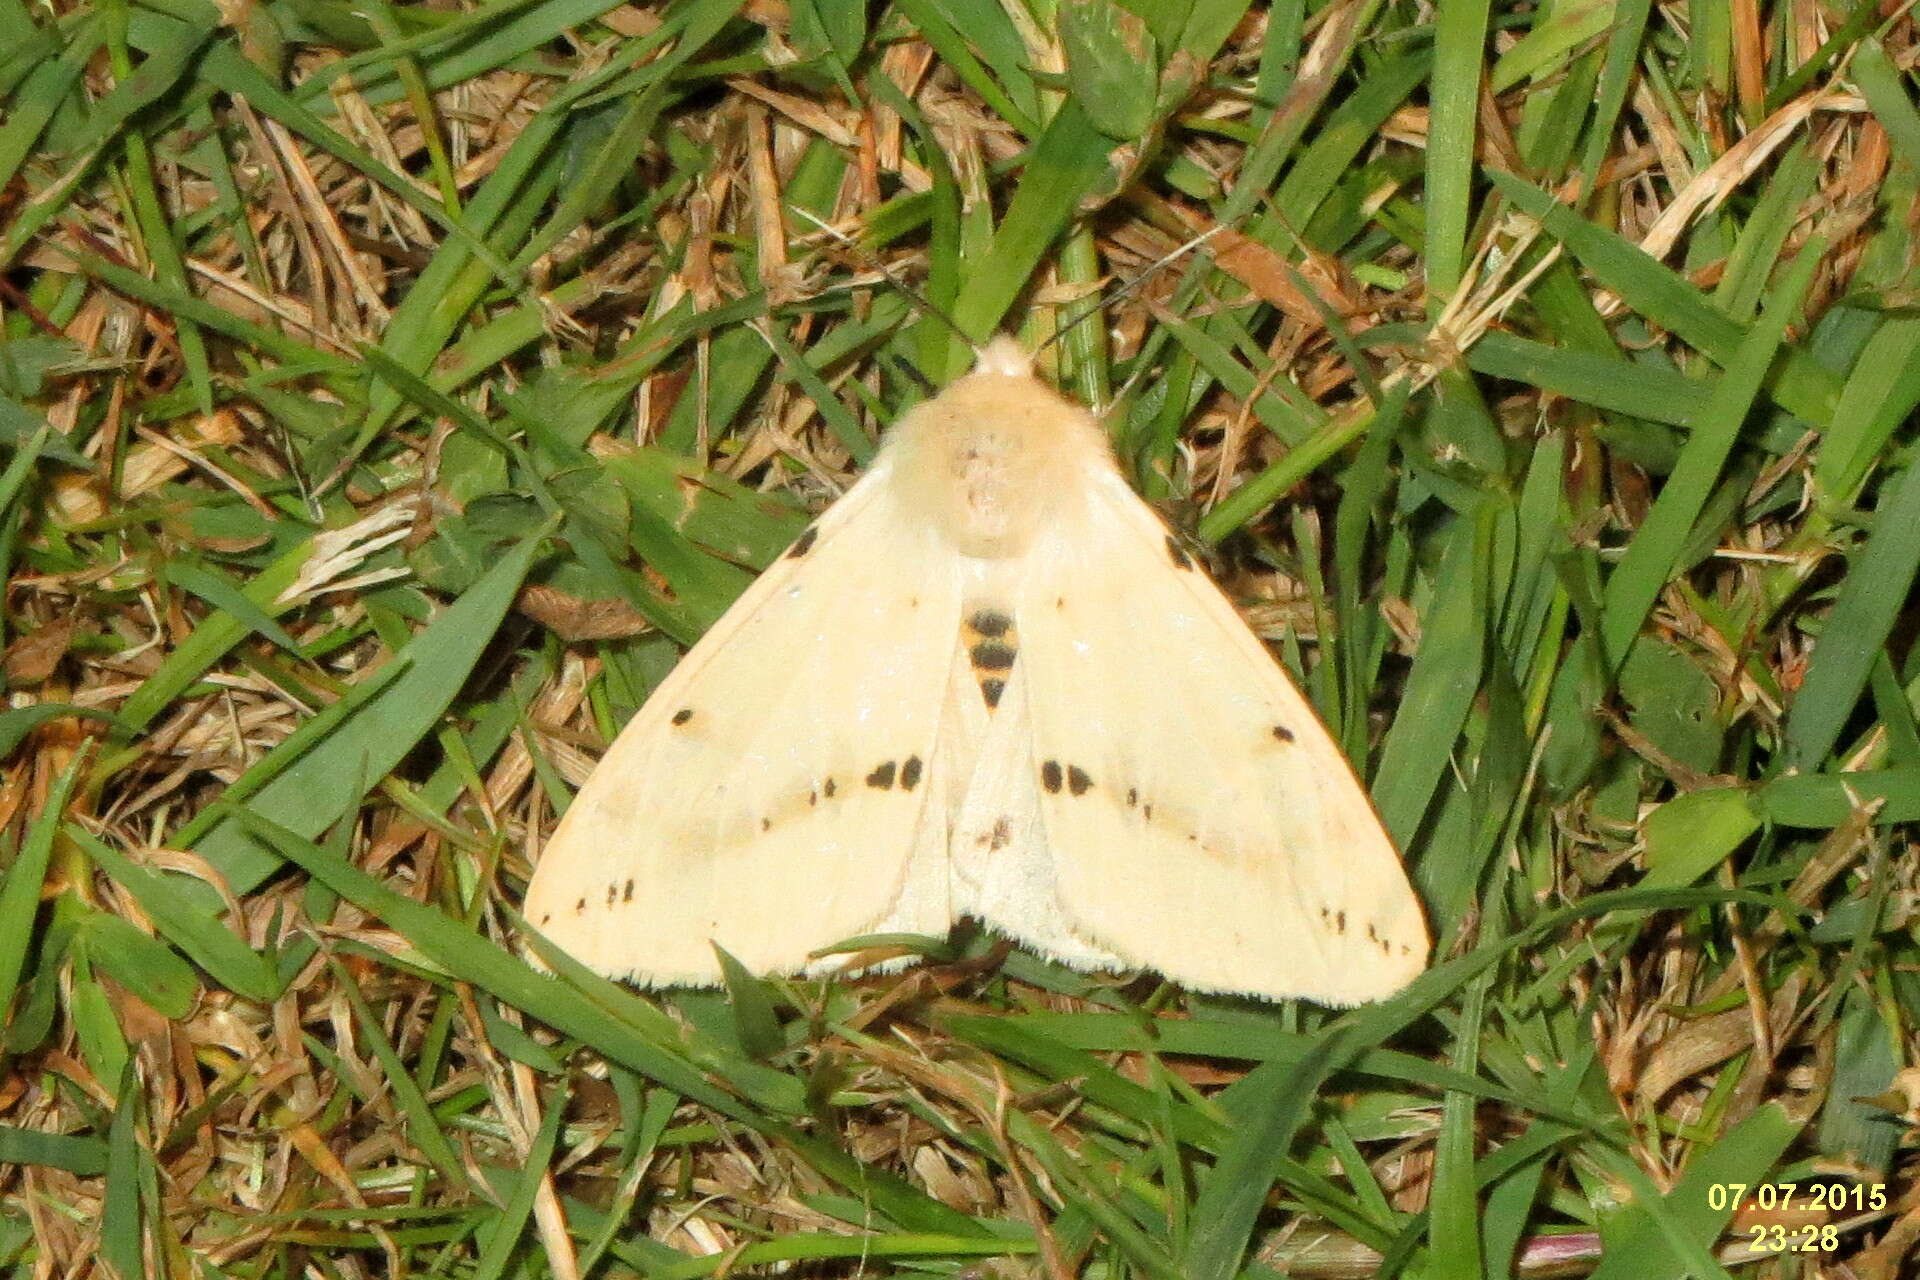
(1786, 1197)
(1774, 1237)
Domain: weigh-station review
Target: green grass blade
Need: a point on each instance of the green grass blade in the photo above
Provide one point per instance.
(20, 889)
(329, 776)
(1235, 1192)
(1874, 592)
(1656, 551)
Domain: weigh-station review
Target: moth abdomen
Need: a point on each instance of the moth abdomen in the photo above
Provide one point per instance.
(989, 623)
(992, 642)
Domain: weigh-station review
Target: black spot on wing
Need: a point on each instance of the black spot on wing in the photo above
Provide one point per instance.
(627, 894)
(1075, 779)
(545, 916)
(1133, 796)
(910, 773)
(1002, 834)
(1282, 734)
(683, 715)
(828, 787)
(1181, 560)
(881, 779)
(580, 906)
(613, 891)
(803, 544)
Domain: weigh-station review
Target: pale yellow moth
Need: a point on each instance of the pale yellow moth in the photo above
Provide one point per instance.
(987, 682)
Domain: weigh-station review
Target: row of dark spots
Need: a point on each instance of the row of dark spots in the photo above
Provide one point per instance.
(906, 774)
(1072, 777)
(1386, 947)
(1078, 782)
(1337, 921)
(615, 893)
(887, 772)
(988, 655)
(1146, 814)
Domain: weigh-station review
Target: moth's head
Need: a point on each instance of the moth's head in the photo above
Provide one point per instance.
(992, 456)
(1003, 355)
(1000, 403)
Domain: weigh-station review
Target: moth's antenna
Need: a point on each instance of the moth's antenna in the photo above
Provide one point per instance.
(912, 294)
(916, 377)
(1130, 286)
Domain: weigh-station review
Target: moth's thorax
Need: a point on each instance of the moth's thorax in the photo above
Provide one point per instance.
(988, 459)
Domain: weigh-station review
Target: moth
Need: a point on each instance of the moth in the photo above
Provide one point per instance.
(987, 682)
